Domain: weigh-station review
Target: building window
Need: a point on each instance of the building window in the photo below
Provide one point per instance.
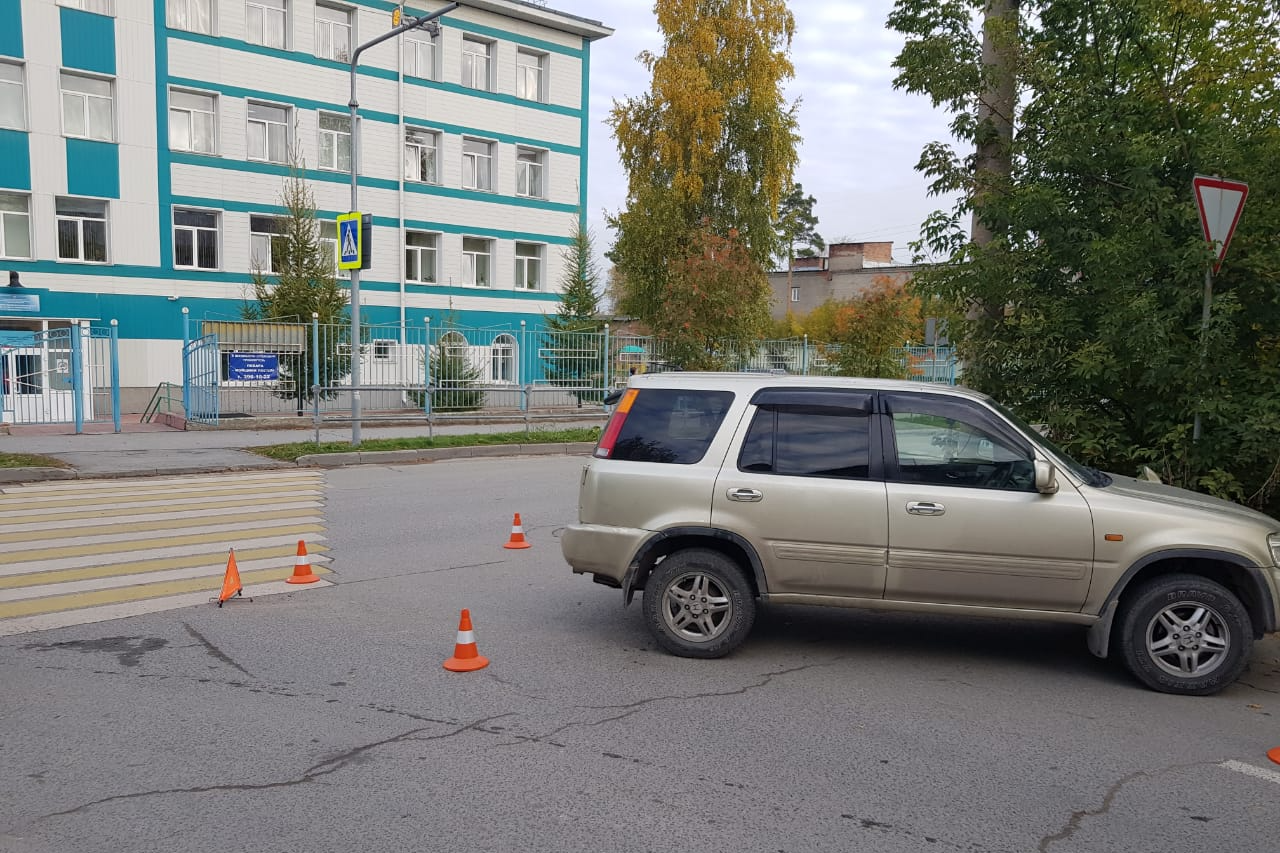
(13, 100)
(503, 360)
(193, 122)
(335, 142)
(529, 168)
(477, 164)
(267, 243)
(421, 148)
(475, 63)
(528, 266)
(100, 7)
(82, 230)
(327, 234)
(265, 22)
(333, 33)
(477, 255)
(195, 239)
(420, 56)
(531, 75)
(15, 226)
(795, 294)
(420, 257)
(87, 107)
(268, 133)
(195, 16)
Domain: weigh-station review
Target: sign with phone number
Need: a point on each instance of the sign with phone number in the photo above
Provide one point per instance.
(253, 366)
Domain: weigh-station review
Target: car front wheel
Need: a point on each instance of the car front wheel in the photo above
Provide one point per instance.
(1185, 634)
(698, 604)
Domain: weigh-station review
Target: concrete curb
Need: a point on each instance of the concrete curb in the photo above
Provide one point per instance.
(315, 460)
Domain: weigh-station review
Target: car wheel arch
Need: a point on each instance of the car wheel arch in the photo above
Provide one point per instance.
(1238, 574)
(668, 541)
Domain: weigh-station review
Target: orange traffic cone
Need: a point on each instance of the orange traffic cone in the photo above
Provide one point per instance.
(1274, 755)
(302, 567)
(517, 539)
(231, 583)
(465, 656)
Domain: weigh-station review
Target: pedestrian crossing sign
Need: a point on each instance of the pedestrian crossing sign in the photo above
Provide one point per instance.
(350, 241)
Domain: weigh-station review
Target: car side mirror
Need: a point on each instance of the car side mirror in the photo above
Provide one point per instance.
(1046, 478)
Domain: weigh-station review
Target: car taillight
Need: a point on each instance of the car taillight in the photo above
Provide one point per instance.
(611, 430)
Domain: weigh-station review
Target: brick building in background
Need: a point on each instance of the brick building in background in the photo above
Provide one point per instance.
(847, 270)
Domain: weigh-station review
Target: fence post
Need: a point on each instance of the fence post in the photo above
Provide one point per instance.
(77, 378)
(186, 366)
(315, 360)
(608, 361)
(524, 397)
(115, 375)
(426, 367)
(804, 356)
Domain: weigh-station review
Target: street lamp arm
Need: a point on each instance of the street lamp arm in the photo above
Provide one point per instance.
(423, 22)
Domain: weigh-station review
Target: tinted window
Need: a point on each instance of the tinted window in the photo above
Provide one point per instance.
(950, 447)
(671, 426)
(808, 442)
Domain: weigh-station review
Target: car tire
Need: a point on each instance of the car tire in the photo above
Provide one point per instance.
(698, 604)
(1185, 634)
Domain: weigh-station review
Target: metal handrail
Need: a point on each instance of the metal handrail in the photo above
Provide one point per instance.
(162, 394)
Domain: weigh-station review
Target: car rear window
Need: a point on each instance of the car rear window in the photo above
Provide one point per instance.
(803, 441)
(674, 426)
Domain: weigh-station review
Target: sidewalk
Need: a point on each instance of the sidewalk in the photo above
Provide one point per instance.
(149, 449)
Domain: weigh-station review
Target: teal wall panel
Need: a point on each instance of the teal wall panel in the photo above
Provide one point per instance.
(15, 160)
(10, 27)
(93, 168)
(88, 41)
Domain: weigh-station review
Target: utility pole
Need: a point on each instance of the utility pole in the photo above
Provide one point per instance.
(428, 23)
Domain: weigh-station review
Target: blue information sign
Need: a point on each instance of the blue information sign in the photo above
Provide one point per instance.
(253, 366)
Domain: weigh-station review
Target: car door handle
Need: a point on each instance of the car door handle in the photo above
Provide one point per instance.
(745, 495)
(925, 508)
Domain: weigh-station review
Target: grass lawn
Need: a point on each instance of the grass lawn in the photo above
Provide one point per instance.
(29, 460)
(290, 452)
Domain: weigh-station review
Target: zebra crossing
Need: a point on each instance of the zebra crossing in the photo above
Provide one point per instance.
(73, 552)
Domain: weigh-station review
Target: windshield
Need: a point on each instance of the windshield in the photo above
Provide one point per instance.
(1092, 476)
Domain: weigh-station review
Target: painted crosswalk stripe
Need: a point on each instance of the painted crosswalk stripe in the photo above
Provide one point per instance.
(84, 551)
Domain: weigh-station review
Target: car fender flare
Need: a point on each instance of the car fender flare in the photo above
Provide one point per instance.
(655, 541)
(1100, 631)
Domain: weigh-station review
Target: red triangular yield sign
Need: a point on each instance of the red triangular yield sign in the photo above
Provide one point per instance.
(1220, 202)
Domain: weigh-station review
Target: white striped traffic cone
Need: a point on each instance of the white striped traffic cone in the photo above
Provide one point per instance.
(517, 539)
(302, 567)
(465, 655)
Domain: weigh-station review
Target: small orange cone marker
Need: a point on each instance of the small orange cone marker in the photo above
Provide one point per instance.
(231, 583)
(1274, 755)
(465, 656)
(517, 539)
(302, 567)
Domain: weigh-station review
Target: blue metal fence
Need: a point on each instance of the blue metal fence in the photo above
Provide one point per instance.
(68, 374)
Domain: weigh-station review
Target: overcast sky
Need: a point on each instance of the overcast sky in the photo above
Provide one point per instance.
(861, 138)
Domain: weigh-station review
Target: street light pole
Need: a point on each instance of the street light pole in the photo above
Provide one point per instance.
(426, 22)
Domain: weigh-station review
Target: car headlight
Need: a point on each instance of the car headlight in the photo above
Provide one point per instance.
(1273, 542)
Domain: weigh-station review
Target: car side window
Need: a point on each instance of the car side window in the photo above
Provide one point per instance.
(806, 441)
(947, 446)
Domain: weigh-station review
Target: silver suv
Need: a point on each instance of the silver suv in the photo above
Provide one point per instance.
(712, 491)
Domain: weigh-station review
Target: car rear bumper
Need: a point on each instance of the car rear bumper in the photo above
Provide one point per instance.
(599, 550)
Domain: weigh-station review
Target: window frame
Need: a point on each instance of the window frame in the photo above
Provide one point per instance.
(522, 67)
(80, 221)
(84, 96)
(475, 158)
(525, 166)
(522, 266)
(469, 57)
(327, 234)
(329, 24)
(190, 4)
(195, 242)
(414, 37)
(4, 215)
(321, 131)
(502, 360)
(795, 293)
(24, 120)
(286, 123)
(190, 113)
(434, 146)
(471, 263)
(418, 252)
(267, 8)
(83, 6)
(271, 236)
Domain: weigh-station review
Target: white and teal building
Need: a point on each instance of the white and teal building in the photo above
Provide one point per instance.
(143, 145)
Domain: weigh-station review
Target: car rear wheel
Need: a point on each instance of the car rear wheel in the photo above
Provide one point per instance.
(698, 604)
(1185, 634)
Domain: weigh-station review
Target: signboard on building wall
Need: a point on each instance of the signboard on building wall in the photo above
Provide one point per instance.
(253, 366)
(29, 302)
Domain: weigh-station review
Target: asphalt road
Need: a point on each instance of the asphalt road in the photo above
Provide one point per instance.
(323, 721)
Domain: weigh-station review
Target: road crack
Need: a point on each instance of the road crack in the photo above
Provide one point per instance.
(214, 651)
